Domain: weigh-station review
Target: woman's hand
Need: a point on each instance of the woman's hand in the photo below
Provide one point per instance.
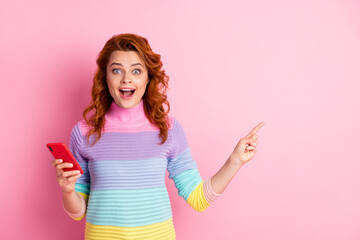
(66, 179)
(246, 148)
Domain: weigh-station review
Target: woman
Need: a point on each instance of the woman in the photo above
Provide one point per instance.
(127, 144)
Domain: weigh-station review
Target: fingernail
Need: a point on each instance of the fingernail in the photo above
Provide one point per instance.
(60, 160)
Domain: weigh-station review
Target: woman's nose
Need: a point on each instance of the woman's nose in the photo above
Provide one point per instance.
(126, 78)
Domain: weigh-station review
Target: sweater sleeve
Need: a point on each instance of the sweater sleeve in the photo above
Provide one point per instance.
(184, 171)
(82, 185)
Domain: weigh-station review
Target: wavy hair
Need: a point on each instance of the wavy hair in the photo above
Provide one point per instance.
(153, 98)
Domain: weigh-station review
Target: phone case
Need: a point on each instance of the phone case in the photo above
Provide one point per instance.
(61, 151)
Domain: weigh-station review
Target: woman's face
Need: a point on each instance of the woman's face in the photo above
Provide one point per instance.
(126, 70)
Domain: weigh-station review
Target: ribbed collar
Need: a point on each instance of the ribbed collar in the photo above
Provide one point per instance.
(127, 115)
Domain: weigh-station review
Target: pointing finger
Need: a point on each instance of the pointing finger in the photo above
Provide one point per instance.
(255, 129)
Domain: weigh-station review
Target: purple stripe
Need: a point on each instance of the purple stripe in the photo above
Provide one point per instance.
(179, 142)
(126, 146)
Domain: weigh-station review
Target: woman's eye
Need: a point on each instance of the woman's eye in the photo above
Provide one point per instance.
(137, 71)
(116, 71)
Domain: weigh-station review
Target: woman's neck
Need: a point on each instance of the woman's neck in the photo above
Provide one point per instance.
(135, 114)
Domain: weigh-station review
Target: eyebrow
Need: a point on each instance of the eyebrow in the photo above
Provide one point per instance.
(115, 63)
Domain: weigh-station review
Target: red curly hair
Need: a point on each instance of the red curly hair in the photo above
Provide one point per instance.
(153, 98)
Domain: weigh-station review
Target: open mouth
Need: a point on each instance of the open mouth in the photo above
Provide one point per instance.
(127, 93)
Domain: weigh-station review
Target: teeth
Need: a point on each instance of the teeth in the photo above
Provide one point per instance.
(128, 90)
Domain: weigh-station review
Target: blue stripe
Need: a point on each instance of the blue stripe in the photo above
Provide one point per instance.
(182, 162)
(84, 188)
(187, 181)
(131, 174)
(129, 207)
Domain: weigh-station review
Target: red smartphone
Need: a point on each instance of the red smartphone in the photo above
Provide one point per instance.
(61, 151)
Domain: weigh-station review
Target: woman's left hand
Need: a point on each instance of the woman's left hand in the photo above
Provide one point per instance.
(246, 148)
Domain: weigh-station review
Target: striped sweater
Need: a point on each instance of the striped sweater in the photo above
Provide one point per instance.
(123, 186)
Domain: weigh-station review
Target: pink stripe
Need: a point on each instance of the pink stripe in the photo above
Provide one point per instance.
(111, 126)
(82, 211)
(209, 193)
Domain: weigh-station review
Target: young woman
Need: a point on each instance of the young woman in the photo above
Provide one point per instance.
(126, 145)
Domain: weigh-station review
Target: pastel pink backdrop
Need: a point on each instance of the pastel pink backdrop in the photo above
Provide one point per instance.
(232, 64)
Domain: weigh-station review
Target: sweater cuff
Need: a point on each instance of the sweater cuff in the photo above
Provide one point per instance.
(82, 211)
(209, 192)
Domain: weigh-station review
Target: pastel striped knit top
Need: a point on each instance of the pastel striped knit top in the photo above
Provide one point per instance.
(123, 185)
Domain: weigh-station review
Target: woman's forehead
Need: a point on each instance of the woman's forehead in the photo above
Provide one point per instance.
(125, 57)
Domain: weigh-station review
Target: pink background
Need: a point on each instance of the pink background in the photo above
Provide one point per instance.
(232, 64)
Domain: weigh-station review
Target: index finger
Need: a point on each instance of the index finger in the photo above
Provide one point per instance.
(56, 161)
(255, 129)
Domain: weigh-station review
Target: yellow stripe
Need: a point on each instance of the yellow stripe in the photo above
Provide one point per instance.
(160, 231)
(85, 196)
(197, 199)
(86, 199)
